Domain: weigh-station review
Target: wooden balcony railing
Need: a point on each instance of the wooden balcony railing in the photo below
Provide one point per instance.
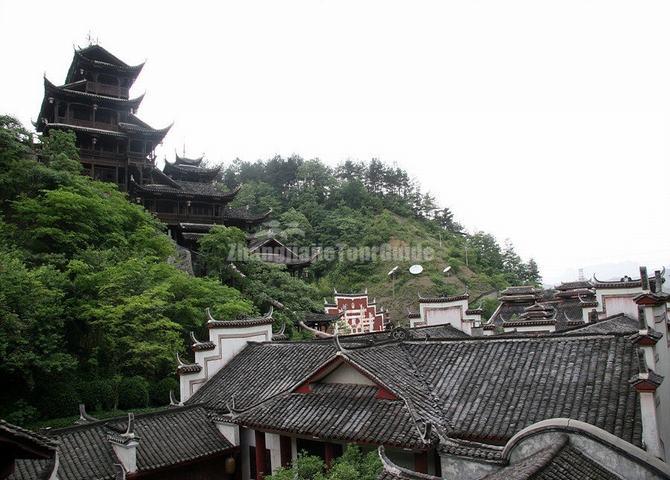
(188, 218)
(70, 120)
(108, 90)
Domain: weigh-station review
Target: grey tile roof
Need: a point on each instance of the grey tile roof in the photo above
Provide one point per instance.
(560, 461)
(169, 437)
(477, 389)
(319, 317)
(493, 388)
(619, 323)
(349, 413)
(261, 371)
(27, 437)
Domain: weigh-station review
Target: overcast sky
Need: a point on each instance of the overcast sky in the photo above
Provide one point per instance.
(545, 122)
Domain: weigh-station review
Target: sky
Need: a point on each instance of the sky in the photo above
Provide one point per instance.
(543, 122)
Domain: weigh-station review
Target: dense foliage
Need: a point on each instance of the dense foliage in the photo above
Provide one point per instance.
(88, 301)
(352, 465)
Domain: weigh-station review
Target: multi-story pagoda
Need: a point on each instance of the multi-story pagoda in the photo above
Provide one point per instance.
(116, 146)
(94, 102)
(187, 196)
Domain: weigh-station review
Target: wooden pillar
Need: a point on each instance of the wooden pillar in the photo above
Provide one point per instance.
(329, 454)
(285, 450)
(260, 455)
(421, 462)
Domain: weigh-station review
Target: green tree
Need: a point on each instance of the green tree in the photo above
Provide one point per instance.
(352, 465)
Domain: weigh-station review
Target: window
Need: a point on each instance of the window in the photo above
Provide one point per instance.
(136, 146)
(107, 79)
(80, 112)
(103, 115)
(105, 174)
(165, 206)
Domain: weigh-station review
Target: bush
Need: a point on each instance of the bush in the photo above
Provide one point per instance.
(58, 400)
(20, 413)
(159, 393)
(97, 395)
(133, 393)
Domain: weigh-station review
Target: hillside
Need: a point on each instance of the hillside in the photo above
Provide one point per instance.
(377, 206)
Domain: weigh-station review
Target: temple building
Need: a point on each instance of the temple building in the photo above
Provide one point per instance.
(94, 102)
(116, 146)
(359, 313)
(529, 309)
(187, 196)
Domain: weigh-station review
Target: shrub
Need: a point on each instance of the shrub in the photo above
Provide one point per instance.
(133, 393)
(20, 413)
(159, 393)
(97, 395)
(58, 400)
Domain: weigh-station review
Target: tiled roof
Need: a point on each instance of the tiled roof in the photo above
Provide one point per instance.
(559, 461)
(476, 389)
(186, 188)
(349, 413)
(492, 388)
(169, 437)
(27, 437)
(449, 298)
(576, 285)
(24, 444)
(102, 99)
(625, 282)
(244, 213)
(320, 317)
(191, 170)
(619, 323)
(261, 371)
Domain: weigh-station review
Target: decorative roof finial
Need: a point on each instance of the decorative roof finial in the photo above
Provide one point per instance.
(83, 416)
(179, 361)
(130, 430)
(230, 405)
(282, 329)
(210, 319)
(338, 345)
(173, 400)
(425, 431)
(317, 333)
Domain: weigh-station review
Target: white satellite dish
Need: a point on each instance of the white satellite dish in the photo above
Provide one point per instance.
(393, 270)
(415, 269)
(446, 270)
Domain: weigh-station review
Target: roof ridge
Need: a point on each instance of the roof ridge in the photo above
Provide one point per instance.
(435, 403)
(104, 421)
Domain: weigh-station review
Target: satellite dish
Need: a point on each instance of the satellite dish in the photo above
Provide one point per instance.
(393, 270)
(415, 269)
(446, 270)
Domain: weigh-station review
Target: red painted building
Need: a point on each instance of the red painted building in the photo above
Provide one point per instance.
(361, 315)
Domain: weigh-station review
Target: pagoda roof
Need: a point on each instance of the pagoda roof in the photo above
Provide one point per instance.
(181, 188)
(95, 56)
(188, 161)
(44, 126)
(245, 213)
(191, 170)
(68, 91)
(144, 129)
